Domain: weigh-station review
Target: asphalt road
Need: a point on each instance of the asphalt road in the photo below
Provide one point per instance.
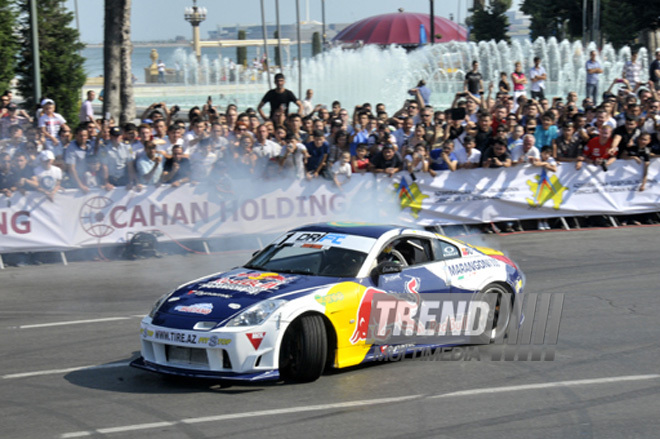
(69, 332)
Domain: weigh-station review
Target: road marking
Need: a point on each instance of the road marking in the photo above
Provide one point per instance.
(60, 371)
(349, 404)
(547, 385)
(72, 322)
(312, 408)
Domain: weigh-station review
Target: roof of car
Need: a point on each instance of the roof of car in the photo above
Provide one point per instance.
(360, 229)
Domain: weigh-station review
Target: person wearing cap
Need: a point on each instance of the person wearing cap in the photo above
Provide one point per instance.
(654, 70)
(48, 176)
(50, 123)
(387, 161)
(117, 161)
(594, 70)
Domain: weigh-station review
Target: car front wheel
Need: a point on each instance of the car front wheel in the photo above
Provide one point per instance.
(304, 349)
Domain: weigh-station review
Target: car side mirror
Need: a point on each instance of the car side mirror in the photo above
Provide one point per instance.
(385, 267)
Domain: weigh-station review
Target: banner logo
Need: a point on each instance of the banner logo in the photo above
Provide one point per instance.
(92, 216)
(410, 196)
(544, 189)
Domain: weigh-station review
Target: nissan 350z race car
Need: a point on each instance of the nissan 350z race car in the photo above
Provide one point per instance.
(303, 303)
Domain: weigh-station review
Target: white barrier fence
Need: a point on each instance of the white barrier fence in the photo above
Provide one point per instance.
(31, 222)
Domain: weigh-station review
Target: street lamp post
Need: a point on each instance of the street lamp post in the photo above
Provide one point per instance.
(195, 16)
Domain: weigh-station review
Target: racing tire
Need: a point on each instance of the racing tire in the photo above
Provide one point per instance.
(499, 327)
(304, 350)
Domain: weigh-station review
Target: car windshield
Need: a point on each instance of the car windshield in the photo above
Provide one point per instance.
(313, 260)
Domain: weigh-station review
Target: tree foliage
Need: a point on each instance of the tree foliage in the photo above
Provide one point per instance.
(62, 72)
(490, 22)
(8, 44)
(621, 20)
(241, 52)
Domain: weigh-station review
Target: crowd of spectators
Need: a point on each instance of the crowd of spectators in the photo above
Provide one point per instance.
(486, 126)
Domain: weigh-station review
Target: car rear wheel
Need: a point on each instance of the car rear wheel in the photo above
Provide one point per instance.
(304, 349)
(503, 301)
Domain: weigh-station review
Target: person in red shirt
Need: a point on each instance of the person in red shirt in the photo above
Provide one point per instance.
(599, 150)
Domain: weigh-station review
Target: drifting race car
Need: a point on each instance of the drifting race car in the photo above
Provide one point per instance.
(303, 303)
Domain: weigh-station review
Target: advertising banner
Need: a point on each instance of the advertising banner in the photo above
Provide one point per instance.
(31, 222)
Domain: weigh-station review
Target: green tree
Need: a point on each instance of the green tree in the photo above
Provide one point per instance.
(316, 44)
(620, 23)
(8, 44)
(241, 52)
(62, 72)
(490, 22)
(278, 57)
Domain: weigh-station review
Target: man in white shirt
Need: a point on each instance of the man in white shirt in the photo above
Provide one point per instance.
(538, 76)
(86, 109)
(525, 153)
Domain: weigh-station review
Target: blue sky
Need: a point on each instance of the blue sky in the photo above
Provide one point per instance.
(163, 19)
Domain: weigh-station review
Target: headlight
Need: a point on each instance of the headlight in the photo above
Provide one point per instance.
(158, 303)
(256, 314)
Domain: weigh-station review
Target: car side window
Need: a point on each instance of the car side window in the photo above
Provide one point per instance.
(443, 251)
(414, 251)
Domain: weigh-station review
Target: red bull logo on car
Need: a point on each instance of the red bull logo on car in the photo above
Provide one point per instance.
(249, 282)
(364, 318)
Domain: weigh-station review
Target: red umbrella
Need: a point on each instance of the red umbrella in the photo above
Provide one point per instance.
(400, 28)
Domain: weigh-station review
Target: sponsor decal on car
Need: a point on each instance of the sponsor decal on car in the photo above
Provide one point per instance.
(197, 308)
(214, 341)
(470, 266)
(256, 338)
(210, 294)
(249, 282)
(329, 298)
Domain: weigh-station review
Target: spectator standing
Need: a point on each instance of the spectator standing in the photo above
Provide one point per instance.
(176, 169)
(48, 176)
(599, 150)
(526, 152)
(161, 71)
(442, 158)
(474, 80)
(278, 98)
(117, 159)
(538, 76)
(497, 156)
(568, 146)
(503, 86)
(547, 132)
(293, 156)
(7, 176)
(632, 71)
(86, 109)
(341, 169)
(519, 80)
(387, 162)
(468, 157)
(318, 150)
(75, 159)
(25, 179)
(50, 123)
(594, 69)
(149, 165)
(654, 70)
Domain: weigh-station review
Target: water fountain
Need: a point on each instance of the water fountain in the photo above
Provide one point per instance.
(373, 74)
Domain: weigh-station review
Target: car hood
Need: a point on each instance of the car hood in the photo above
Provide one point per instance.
(221, 296)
